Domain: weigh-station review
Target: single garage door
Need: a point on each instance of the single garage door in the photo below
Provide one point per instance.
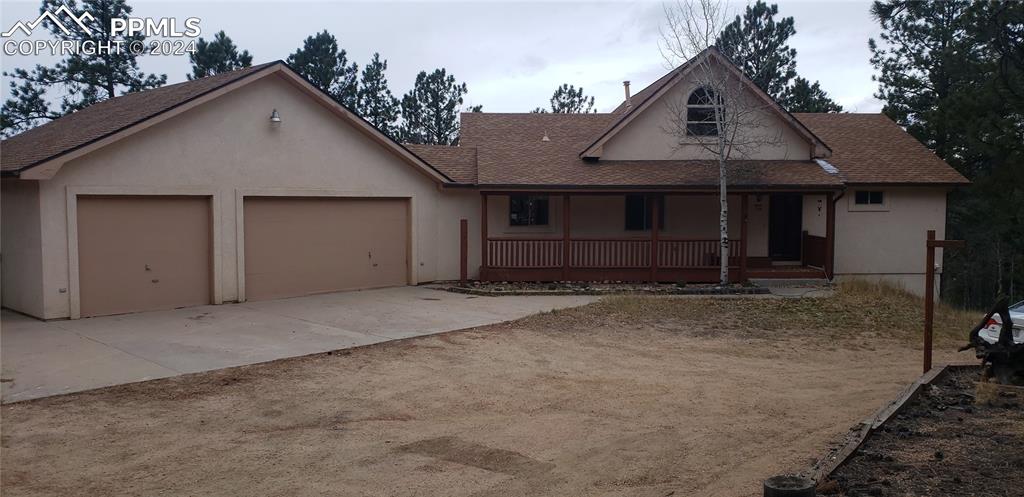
(139, 253)
(301, 246)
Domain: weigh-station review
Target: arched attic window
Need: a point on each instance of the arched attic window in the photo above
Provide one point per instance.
(700, 112)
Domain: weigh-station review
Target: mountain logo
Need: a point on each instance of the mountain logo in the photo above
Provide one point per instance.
(54, 17)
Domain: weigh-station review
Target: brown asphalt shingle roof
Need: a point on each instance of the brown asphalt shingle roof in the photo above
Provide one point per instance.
(510, 152)
(872, 149)
(105, 118)
(458, 163)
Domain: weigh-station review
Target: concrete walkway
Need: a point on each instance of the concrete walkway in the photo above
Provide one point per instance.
(40, 359)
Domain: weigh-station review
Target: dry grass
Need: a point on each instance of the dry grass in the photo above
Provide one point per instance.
(647, 396)
(858, 311)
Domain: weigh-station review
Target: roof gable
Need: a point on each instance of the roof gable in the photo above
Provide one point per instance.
(645, 99)
(40, 152)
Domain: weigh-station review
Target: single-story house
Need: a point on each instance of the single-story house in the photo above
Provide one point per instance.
(254, 184)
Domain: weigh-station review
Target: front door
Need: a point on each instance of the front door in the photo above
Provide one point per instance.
(785, 226)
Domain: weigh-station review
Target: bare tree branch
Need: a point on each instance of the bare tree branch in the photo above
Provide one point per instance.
(741, 119)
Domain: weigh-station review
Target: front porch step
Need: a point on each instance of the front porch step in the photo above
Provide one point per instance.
(789, 282)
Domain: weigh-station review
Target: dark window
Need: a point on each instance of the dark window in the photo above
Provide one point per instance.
(528, 210)
(700, 113)
(638, 213)
(865, 197)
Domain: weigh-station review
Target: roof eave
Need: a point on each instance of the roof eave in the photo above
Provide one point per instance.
(655, 187)
(937, 184)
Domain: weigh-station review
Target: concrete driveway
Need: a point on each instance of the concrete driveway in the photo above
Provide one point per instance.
(40, 359)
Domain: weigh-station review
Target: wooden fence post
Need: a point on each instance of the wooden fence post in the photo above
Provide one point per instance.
(929, 290)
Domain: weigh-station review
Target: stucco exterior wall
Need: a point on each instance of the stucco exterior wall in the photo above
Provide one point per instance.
(226, 148)
(888, 243)
(22, 271)
(451, 207)
(815, 214)
(649, 136)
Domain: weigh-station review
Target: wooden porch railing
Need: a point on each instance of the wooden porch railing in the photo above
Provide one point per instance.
(675, 253)
(524, 253)
(610, 253)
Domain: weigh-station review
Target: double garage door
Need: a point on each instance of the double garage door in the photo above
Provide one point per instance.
(139, 253)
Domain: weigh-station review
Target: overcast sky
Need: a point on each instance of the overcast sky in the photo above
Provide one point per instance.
(512, 55)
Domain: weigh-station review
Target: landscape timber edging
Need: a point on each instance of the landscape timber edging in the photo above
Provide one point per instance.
(822, 470)
(583, 291)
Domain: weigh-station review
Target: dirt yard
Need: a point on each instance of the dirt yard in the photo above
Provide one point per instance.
(630, 396)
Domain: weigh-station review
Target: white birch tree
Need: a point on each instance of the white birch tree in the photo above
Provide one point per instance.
(723, 116)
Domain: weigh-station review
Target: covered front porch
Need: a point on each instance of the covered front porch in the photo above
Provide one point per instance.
(660, 236)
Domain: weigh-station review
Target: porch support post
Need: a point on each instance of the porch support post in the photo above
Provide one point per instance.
(743, 237)
(653, 203)
(483, 238)
(830, 236)
(566, 226)
(463, 251)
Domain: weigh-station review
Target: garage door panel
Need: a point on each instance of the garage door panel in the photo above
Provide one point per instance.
(139, 253)
(303, 246)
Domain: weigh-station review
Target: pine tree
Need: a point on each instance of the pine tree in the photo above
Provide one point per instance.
(217, 56)
(430, 111)
(921, 63)
(376, 103)
(759, 44)
(952, 73)
(802, 96)
(26, 107)
(326, 66)
(84, 78)
(569, 100)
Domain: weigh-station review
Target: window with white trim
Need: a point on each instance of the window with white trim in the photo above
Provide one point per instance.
(700, 112)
